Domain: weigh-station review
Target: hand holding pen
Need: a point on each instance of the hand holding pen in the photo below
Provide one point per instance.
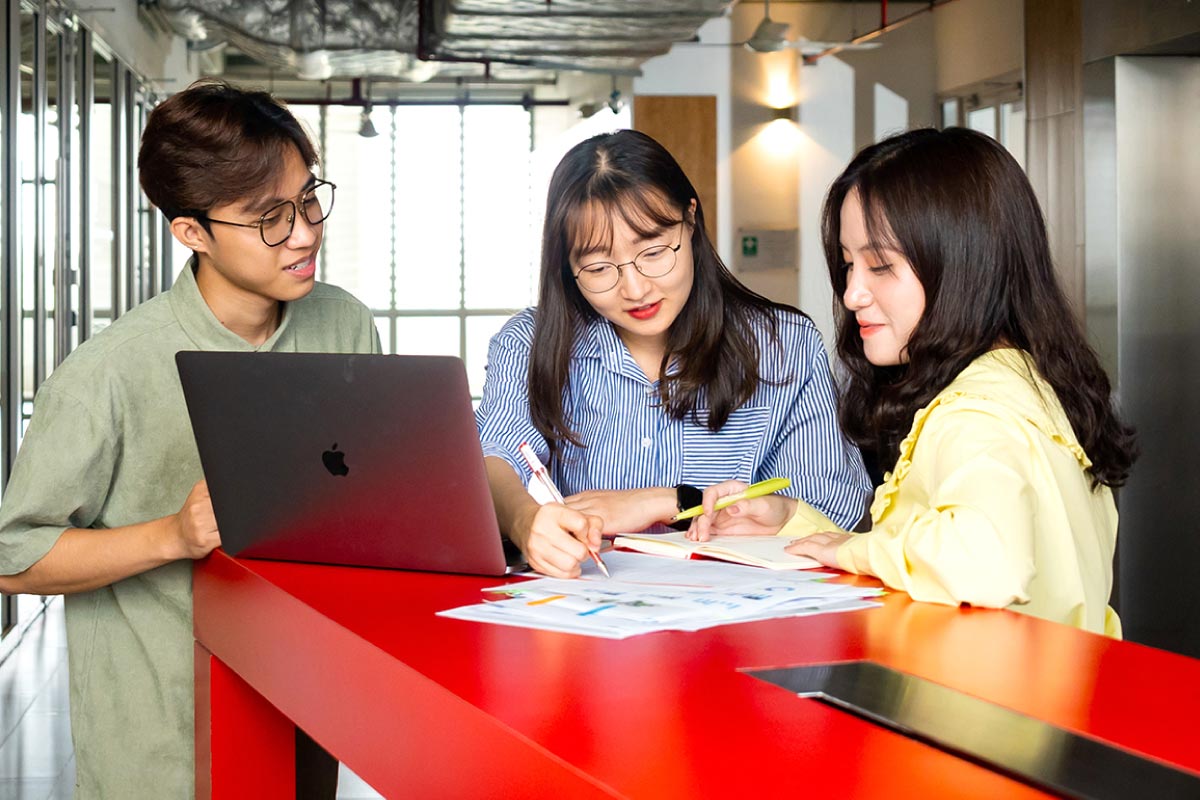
(735, 508)
(549, 493)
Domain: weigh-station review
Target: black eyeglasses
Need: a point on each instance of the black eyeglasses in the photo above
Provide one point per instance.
(653, 262)
(276, 225)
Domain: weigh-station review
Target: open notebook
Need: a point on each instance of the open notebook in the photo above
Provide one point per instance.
(755, 551)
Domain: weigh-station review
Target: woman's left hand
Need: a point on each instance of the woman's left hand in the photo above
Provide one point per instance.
(626, 511)
(821, 546)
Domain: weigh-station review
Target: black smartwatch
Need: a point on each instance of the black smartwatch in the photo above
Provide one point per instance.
(686, 496)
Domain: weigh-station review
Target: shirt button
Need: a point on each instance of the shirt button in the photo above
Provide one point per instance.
(647, 441)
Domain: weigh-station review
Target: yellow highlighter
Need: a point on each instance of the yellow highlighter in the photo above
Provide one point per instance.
(770, 486)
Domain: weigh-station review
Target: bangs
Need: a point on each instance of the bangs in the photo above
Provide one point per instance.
(880, 232)
(590, 223)
(254, 175)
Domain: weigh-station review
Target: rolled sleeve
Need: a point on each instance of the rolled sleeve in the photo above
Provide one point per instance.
(974, 543)
(60, 480)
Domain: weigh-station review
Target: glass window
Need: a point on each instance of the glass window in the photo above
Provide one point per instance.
(428, 174)
(31, 231)
(428, 336)
(1012, 130)
(44, 201)
(100, 195)
(438, 243)
(480, 331)
(983, 120)
(358, 235)
(72, 100)
(4, 239)
(950, 112)
(500, 269)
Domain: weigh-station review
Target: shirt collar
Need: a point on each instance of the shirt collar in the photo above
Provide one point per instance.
(202, 326)
(598, 339)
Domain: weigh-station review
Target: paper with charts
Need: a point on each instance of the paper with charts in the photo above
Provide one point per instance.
(652, 593)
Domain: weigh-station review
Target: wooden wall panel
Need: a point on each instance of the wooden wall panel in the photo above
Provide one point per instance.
(687, 127)
(1054, 131)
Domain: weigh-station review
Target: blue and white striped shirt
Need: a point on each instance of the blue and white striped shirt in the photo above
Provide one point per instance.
(789, 430)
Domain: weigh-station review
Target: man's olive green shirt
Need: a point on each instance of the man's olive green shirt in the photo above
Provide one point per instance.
(110, 444)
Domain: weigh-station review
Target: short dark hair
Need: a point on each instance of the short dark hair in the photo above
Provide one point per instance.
(628, 173)
(960, 209)
(214, 143)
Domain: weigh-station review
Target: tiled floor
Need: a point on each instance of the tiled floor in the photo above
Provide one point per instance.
(37, 761)
(36, 758)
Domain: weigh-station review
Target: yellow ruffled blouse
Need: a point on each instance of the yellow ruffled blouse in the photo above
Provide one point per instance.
(990, 504)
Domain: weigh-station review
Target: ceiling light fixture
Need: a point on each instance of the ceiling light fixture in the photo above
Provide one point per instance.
(366, 128)
(769, 36)
(615, 103)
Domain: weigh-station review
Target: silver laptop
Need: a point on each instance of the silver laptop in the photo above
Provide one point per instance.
(363, 460)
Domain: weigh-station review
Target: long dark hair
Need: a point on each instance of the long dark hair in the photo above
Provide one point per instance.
(627, 173)
(959, 208)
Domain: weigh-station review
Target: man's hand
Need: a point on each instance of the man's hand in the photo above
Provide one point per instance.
(196, 533)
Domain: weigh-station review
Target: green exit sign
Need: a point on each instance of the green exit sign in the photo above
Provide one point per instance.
(749, 245)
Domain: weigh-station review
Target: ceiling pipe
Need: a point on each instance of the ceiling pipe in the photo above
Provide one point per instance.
(884, 27)
(358, 98)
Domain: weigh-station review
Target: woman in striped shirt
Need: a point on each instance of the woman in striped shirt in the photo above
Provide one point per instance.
(647, 370)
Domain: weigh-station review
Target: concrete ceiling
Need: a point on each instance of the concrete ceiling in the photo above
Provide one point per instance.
(419, 40)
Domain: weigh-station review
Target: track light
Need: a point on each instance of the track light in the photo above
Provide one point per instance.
(366, 128)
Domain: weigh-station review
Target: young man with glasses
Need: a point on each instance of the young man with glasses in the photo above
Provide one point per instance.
(106, 503)
(647, 371)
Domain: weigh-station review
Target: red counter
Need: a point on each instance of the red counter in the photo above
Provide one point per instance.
(422, 706)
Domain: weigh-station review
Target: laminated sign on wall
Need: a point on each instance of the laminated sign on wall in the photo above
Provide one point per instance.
(765, 248)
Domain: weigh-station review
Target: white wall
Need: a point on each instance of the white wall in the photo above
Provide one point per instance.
(827, 145)
(780, 184)
(891, 113)
(775, 175)
(702, 70)
(976, 40)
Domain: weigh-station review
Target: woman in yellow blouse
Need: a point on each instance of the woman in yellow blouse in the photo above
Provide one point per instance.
(966, 372)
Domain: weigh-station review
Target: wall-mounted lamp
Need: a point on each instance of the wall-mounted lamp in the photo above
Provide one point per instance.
(789, 113)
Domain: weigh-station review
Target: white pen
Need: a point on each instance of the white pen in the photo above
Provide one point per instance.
(540, 473)
(543, 477)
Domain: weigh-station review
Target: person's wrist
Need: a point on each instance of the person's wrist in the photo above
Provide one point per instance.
(787, 506)
(662, 500)
(686, 496)
(166, 539)
(522, 526)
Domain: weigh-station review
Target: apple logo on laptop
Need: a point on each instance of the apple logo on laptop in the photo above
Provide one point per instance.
(335, 461)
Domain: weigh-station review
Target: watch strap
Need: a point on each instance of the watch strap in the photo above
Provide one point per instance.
(686, 496)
